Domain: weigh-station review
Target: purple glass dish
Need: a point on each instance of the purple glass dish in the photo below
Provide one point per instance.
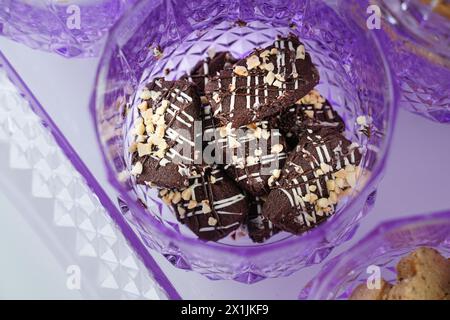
(70, 27)
(354, 76)
(417, 38)
(383, 247)
(63, 172)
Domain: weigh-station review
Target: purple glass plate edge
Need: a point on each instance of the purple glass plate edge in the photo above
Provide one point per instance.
(95, 187)
(381, 228)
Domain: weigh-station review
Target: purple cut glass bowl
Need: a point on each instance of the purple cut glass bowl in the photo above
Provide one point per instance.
(68, 27)
(354, 76)
(417, 38)
(383, 247)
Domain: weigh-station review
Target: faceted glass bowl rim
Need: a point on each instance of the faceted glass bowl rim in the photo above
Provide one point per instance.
(239, 251)
(326, 273)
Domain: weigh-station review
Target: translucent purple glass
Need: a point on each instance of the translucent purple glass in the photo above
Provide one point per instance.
(383, 247)
(354, 76)
(70, 28)
(417, 38)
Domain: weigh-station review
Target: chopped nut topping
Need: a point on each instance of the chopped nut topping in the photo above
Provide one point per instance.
(331, 185)
(257, 133)
(167, 199)
(264, 54)
(276, 173)
(160, 131)
(323, 202)
(186, 194)
(192, 204)
(274, 51)
(278, 84)
(160, 110)
(258, 152)
(176, 197)
(163, 192)
(318, 105)
(310, 197)
(140, 138)
(300, 54)
(155, 118)
(269, 78)
(333, 197)
(150, 128)
(328, 210)
(277, 148)
(280, 77)
(340, 174)
(252, 62)
(147, 115)
(241, 71)
(132, 148)
(340, 183)
(139, 128)
(325, 167)
(137, 168)
(143, 106)
(312, 188)
(212, 221)
(212, 179)
(271, 181)
(309, 113)
(160, 153)
(144, 149)
(171, 195)
(205, 206)
(181, 212)
(145, 95)
(155, 95)
(269, 67)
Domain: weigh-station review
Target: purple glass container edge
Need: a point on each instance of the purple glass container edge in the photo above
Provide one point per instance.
(93, 184)
(308, 291)
(248, 251)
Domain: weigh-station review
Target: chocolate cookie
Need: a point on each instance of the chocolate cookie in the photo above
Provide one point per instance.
(212, 206)
(251, 154)
(259, 227)
(311, 112)
(163, 149)
(210, 67)
(317, 173)
(264, 84)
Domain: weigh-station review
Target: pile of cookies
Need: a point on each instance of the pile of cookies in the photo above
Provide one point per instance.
(280, 159)
(422, 275)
